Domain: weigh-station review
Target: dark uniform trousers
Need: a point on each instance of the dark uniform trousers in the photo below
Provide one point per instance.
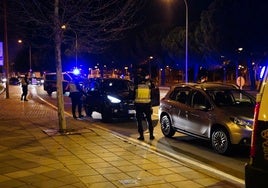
(76, 101)
(141, 110)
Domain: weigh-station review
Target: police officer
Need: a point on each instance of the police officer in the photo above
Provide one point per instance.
(24, 85)
(76, 94)
(143, 103)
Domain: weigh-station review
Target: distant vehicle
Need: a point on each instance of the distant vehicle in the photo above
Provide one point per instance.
(36, 81)
(3, 79)
(222, 114)
(256, 170)
(50, 81)
(112, 97)
(14, 81)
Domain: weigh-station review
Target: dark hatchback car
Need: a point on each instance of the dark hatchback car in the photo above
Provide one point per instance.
(220, 113)
(112, 97)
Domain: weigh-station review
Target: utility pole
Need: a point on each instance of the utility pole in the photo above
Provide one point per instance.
(6, 50)
(186, 40)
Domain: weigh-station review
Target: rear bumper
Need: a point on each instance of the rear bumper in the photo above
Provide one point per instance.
(255, 177)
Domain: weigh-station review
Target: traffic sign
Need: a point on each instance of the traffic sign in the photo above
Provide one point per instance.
(240, 81)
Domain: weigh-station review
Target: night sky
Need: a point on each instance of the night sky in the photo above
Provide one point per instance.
(163, 13)
(173, 11)
(167, 12)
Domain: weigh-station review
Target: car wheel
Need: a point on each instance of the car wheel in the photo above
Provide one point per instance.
(106, 115)
(166, 126)
(88, 111)
(49, 92)
(220, 141)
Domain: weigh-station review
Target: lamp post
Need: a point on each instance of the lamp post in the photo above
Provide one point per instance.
(6, 61)
(75, 48)
(30, 58)
(30, 55)
(76, 43)
(150, 66)
(186, 40)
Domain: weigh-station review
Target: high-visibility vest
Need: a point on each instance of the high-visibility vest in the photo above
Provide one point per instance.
(73, 87)
(143, 94)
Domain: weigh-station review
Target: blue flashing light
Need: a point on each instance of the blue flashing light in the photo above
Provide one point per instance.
(76, 71)
(262, 71)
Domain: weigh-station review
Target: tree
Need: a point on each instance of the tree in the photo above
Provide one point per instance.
(228, 25)
(92, 24)
(174, 45)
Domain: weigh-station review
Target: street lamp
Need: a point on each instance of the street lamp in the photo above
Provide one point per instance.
(30, 55)
(75, 49)
(186, 40)
(76, 43)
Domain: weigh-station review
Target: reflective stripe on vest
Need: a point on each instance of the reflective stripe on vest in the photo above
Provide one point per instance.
(143, 94)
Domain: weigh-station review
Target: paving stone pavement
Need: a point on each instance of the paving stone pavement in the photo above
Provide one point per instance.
(34, 154)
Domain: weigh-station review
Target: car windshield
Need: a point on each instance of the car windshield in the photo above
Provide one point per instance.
(116, 85)
(230, 98)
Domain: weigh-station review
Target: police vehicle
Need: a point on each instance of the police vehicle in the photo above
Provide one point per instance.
(256, 170)
(50, 81)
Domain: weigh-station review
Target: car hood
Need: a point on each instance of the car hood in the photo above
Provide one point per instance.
(123, 95)
(245, 113)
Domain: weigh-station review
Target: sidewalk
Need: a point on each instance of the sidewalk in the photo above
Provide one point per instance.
(33, 154)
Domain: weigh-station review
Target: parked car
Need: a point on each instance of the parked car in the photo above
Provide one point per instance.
(256, 170)
(14, 81)
(220, 113)
(112, 97)
(50, 81)
(36, 81)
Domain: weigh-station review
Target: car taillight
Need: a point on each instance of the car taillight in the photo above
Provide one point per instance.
(254, 131)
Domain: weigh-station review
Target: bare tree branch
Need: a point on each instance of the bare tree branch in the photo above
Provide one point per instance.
(97, 23)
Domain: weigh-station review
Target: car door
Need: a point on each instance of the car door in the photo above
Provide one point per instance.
(179, 106)
(94, 95)
(199, 117)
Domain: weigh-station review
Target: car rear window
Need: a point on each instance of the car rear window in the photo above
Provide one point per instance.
(230, 98)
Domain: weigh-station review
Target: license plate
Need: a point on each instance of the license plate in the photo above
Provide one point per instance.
(131, 111)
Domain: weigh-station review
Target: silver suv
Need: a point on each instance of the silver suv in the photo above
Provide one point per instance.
(217, 112)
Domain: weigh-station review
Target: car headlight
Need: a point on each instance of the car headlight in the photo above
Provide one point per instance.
(241, 122)
(113, 99)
